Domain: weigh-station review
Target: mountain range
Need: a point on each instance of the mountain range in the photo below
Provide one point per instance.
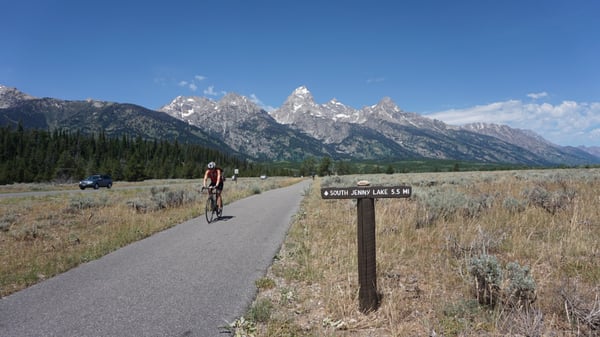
(300, 127)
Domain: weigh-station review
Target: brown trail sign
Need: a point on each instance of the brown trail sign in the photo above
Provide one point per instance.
(365, 196)
(365, 192)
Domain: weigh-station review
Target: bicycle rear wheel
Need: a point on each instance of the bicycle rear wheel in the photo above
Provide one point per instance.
(210, 210)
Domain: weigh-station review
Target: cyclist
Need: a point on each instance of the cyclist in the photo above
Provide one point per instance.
(216, 179)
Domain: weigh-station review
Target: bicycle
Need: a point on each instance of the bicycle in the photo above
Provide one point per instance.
(212, 209)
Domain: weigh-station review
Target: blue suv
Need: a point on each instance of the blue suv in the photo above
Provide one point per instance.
(96, 181)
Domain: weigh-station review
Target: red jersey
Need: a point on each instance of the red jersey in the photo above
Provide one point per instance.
(214, 175)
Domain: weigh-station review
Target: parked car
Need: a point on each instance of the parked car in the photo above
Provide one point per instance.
(96, 181)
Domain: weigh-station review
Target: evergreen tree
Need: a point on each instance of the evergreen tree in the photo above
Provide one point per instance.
(342, 167)
(308, 166)
(325, 166)
(65, 168)
(37, 155)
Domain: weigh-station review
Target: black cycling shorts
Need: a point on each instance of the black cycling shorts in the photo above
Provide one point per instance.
(219, 186)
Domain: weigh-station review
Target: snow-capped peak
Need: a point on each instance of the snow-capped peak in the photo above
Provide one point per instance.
(301, 91)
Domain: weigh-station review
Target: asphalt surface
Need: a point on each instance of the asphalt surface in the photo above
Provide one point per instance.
(189, 280)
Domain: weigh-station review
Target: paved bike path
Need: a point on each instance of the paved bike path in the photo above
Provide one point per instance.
(188, 280)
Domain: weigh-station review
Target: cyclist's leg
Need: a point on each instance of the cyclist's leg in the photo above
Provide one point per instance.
(216, 192)
(219, 198)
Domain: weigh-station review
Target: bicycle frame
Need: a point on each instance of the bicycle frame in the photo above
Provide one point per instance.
(211, 210)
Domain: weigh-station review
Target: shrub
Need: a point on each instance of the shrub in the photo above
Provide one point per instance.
(582, 308)
(552, 202)
(287, 296)
(6, 221)
(265, 283)
(458, 316)
(255, 189)
(513, 205)
(241, 327)
(514, 285)
(438, 203)
(4, 225)
(81, 203)
(476, 205)
(29, 233)
(139, 205)
(488, 278)
(521, 286)
(166, 198)
(260, 311)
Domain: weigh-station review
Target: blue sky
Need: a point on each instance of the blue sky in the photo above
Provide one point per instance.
(524, 63)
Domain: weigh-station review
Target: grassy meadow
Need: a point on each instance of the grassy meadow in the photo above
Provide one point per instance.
(505, 253)
(502, 253)
(42, 236)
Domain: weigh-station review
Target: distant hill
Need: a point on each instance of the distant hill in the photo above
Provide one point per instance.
(115, 119)
(298, 129)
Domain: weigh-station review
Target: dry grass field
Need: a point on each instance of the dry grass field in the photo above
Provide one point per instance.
(507, 253)
(511, 253)
(42, 236)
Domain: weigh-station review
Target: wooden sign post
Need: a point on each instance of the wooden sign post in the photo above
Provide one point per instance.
(365, 206)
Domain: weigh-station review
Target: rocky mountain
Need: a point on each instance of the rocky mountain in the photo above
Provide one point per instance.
(91, 116)
(245, 127)
(301, 103)
(392, 132)
(593, 150)
(530, 141)
(10, 97)
(297, 129)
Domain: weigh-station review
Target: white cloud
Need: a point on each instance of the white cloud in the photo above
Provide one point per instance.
(254, 99)
(538, 95)
(210, 91)
(375, 80)
(192, 84)
(499, 112)
(567, 123)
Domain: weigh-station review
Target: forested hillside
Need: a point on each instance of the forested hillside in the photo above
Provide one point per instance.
(31, 155)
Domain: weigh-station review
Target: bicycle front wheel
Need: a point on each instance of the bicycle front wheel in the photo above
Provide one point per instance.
(209, 210)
